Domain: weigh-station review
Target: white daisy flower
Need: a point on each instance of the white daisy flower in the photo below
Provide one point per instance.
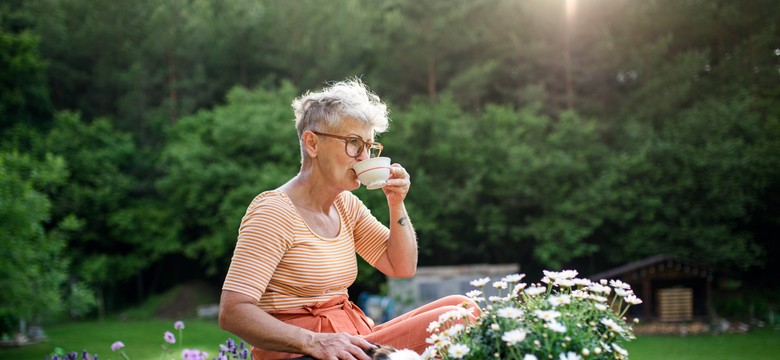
(510, 313)
(579, 294)
(547, 315)
(581, 282)
(598, 288)
(458, 351)
(564, 283)
(535, 290)
(513, 278)
(495, 327)
(556, 326)
(433, 326)
(601, 307)
(556, 301)
(474, 294)
(513, 337)
(429, 354)
(612, 325)
(500, 285)
(632, 299)
(529, 357)
(480, 282)
(619, 284)
(569, 356)
(619, 349)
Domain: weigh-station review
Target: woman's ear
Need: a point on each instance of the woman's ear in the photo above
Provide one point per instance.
(310, 143)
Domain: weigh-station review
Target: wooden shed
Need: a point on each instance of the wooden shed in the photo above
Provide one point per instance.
(671, 289)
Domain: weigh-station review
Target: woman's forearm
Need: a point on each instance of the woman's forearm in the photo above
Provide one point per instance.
(402, 244)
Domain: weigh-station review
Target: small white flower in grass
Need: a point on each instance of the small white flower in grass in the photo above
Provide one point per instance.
(547, 315)
(633, 300)
(556, 301)
(495, 327)
(619, 284)
(458, 351)
(474, 294)
(480, 282)
(496, 298)
(546, 280)
(623, 292)
(569, 356)
(513, 337)
(603, 282)
(556, 326)
(600, 307)
(510, 312)
(619, 349)
(500, 285)
(598, 298)
(513, 278)
(612, 325)
(535, 290)
(530, 357)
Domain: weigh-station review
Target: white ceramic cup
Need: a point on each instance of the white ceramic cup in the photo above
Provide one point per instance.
(373, 172)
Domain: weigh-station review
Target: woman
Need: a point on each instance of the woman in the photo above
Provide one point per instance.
(286, 290)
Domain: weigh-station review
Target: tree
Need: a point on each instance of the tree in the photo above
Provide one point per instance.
(217, 161)
(25, 96)
(34, 268)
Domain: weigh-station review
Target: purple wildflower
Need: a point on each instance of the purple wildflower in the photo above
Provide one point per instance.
(169, 338)
(117, 345)
(178, 325)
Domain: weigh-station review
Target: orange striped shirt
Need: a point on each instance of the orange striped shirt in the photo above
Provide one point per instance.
(281, 263)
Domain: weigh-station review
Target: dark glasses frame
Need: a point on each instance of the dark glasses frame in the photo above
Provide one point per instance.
(366, 146)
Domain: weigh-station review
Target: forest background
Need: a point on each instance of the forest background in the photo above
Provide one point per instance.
(548, 133)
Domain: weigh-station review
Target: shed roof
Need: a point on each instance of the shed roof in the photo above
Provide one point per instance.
(640, 264)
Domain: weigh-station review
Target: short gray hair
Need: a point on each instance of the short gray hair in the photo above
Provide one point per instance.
(348, 98)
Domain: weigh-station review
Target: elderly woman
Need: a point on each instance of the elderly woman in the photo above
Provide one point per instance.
(286, 290)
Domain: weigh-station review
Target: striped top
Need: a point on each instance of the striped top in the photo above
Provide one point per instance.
(281, 263)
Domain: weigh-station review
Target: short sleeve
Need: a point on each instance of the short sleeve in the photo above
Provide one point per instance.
(370, 234)
(265, 235)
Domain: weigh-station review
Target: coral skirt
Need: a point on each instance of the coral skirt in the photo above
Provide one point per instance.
(333, 316)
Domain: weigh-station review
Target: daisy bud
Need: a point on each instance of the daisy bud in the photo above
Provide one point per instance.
(585, 352)
(597, 350)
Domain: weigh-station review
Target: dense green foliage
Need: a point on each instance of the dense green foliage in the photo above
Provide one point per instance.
(134, 134)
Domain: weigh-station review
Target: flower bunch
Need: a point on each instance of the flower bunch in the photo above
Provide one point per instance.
(561, 318)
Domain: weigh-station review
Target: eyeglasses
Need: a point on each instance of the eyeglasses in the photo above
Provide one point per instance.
(354, 146)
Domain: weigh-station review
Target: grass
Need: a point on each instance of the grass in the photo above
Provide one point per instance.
(143, 340)
(758, 344)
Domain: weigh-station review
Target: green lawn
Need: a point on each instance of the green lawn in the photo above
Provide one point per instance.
(143, 340)
(758, 344)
